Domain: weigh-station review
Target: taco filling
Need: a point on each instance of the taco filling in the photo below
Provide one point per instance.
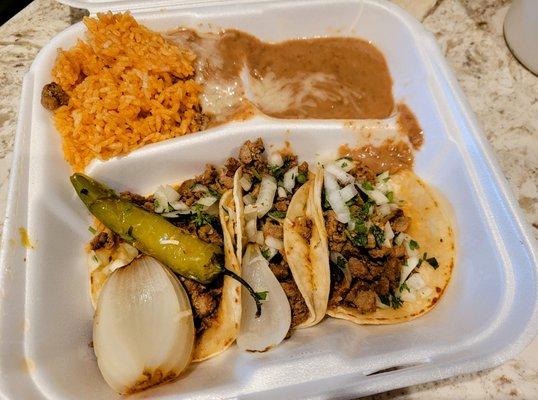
(193, 206)
(268, 184)
(373, 260)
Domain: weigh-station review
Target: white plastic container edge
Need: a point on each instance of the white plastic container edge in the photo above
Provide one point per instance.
(498, 203)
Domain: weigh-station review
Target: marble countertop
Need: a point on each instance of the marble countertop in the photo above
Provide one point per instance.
(502, 93)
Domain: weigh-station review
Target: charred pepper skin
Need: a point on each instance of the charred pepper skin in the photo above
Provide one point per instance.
(150, 233)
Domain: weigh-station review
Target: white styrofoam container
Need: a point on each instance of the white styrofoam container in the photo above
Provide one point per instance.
(487, 316)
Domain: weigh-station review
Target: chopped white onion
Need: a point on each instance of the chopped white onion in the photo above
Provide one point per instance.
(345, 163)
(289, 178)
(332, 192)
(179, 205)
(282, 192)
(348, 192)
(389, 235)
(383, 183)
(425, 292)
(250, 212)
(351, 225)
(199, 188)
(415, 281)
(342, 176)
(171, 194)
(114, 265)
(407, 268)
(251, 230)
(248, 199)
(375, 195)
(260, 238)
(266, 195)
(384, 209)
(207, 201)
(245, 183)
(408, 296)
(123, 255)
(383, 176)
(167, 199)
(274, 243)
(275, 159)
(402, 237)
(160, 200)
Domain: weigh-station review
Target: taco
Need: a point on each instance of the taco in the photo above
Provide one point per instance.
(271, 193)
(203, 207)
(389, 244)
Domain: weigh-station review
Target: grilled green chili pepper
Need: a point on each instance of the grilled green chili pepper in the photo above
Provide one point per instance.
(153, 235)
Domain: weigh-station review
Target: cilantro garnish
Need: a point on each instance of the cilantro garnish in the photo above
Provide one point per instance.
(326, 204)
(214, 193)
(379, 234)
(396, 302)
(301, 178)
(390, 196)
(256, 174)
(92, 230)
(278, 215)
(385, 299)
(391, 300)
(265, 254)
(262, 295)
(352, 201)
(403, 287)
(200, 217)
(358, 239)
(341, 262)
(413, 244)
(278, 172)
(433, 262)
(365, 209)
(367, 186)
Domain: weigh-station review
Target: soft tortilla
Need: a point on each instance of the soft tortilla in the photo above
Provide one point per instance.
(430, 227)
(224, 331)
(296, 251)
(311, 276)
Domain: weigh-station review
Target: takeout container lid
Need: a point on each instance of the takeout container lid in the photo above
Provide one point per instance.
(137, 6)
(487, 316)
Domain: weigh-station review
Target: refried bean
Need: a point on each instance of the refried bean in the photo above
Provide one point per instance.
(322, 78)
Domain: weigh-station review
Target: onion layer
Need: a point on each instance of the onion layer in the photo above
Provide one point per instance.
(143, 331)
(268, 330)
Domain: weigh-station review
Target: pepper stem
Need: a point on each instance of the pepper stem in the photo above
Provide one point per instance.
(254, 295)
